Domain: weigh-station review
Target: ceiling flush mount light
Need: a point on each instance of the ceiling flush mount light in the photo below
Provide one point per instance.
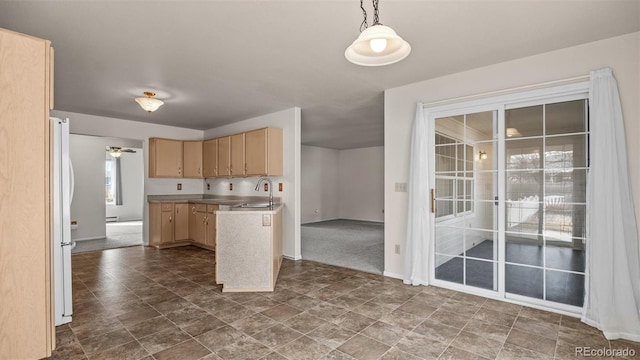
(377, 45)
(513, 132)
(148, 103)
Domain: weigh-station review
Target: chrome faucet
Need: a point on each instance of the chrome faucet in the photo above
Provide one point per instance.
(264, 178)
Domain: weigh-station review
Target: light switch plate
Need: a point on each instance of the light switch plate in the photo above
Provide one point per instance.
(401, 187)
(266, 220)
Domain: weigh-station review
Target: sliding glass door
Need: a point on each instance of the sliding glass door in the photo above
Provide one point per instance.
(509, 196)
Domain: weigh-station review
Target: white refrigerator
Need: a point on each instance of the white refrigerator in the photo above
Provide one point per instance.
(62, 193)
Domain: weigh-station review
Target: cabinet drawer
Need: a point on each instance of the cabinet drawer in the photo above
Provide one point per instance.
(211, 208)
(167, 207)
(201, 207)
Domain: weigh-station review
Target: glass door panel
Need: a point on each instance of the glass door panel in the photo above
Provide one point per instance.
(466, 175)
(545, 177)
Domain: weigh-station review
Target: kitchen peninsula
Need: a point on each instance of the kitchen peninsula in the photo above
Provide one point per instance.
(244, 232)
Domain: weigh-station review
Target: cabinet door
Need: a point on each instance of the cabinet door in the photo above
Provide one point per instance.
(210, 239)
(193, 225)
(181, 226)
(165, 158)
(201, 227)
(166, 232)
(192, 159)
(224, 156)
(256, 152)
(237, 155)
(210, 158)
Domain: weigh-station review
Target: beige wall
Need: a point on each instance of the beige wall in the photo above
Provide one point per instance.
(620, 53)
(361, 184)
(319, 183)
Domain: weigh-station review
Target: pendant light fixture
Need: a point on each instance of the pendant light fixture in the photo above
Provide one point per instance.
(149, 103)
(377, 45)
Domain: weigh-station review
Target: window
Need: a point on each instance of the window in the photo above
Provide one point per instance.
(454, 177)
(109, 181)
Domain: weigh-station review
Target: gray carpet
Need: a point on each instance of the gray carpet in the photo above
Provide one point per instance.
(351, 244)
(119, 234)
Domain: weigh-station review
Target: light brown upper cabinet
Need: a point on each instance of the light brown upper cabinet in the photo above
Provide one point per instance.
(192, 159)
(165, 158)
(224, 156)
(263, 152)
(210, 158)
(237, 155)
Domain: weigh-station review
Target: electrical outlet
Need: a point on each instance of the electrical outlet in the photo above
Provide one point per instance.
(266, 186)
(179, 186)
(266, 220)
(280, 187)
(208, 186)
(230, 186)
(397, 249)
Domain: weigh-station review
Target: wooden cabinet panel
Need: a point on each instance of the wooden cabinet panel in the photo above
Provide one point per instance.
(210, 158)
(224, 156)
(193, 226)
(166, 227)
(192, 159)
(25, 279)
(210, 237)
(200, 235)
(181, 226)
(165, 158)
(263, 152)
(237, 155)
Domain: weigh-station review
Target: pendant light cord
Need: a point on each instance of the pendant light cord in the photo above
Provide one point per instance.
(376, 19)
(364, 24)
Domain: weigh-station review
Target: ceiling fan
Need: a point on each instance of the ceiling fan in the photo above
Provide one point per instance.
(116, 151)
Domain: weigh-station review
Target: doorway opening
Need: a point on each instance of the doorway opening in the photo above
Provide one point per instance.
(109, 188)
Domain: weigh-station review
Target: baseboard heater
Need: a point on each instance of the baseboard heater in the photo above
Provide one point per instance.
(112, 218)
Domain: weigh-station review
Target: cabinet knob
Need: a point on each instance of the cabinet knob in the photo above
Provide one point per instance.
(179, 171)
(193, 210)
(215, 171)
(170, 219)
(177, 210)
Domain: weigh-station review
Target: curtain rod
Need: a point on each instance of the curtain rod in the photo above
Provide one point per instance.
(506, 91)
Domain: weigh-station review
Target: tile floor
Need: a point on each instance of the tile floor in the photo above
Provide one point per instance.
(143, 303)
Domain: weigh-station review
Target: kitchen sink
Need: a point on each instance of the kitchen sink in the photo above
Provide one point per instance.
(253, 205)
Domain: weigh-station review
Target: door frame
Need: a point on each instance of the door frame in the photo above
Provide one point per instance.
(499, 103)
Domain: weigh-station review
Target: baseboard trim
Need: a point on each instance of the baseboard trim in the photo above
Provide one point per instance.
(339, 218)
(317, 221)
(90, 238)
(393, 275)
(292, 257)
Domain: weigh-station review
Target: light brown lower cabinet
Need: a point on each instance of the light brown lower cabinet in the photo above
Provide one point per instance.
(182, 224)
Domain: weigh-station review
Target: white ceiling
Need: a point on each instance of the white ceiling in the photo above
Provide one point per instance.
(217, 62)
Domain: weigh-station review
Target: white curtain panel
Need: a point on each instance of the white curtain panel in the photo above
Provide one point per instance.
(418, 242)
(612, 293)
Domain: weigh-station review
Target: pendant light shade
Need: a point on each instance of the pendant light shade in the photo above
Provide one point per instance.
(149, 103)
(376, 46)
